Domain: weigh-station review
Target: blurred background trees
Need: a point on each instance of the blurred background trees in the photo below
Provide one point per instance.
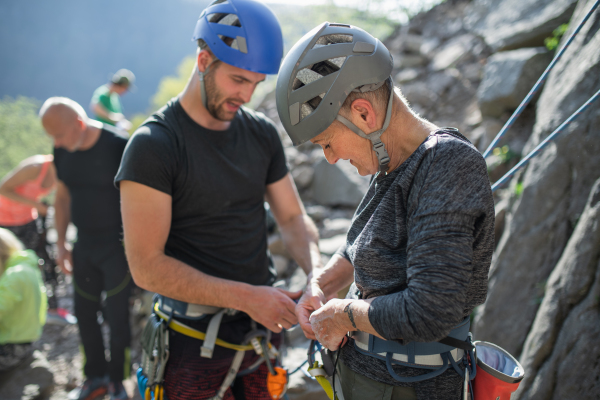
(21, 133)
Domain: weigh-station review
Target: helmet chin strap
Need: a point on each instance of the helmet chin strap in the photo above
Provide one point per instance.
(201, 76)
(375, 137)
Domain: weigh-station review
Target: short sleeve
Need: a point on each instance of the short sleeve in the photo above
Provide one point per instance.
(277, 167)
(149, 159)
(101, 97)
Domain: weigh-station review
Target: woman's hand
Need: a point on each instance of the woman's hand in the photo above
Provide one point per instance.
(332, 322)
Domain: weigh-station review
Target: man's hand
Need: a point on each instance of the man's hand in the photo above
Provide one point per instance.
(273, 307)
(124, 124)
(332, 322)
(64, 259)
(312, 300)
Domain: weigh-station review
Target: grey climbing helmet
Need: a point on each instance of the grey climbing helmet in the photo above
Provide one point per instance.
(321, 70)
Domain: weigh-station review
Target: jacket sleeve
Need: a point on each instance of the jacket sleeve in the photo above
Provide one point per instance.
(447, 199)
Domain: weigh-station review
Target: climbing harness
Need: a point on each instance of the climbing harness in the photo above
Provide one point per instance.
(155, 346)
(438, 356)
(434, 356)
(526, 101)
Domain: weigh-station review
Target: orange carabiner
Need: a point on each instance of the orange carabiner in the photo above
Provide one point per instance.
(277, 384)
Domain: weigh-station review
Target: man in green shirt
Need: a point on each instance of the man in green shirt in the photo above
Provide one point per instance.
(106, 102)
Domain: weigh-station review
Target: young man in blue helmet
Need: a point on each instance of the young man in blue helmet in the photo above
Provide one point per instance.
(193, 180)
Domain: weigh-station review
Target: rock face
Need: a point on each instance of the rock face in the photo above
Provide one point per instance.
(512, 24)
(566, 326)
(508, 77)
(555, 187)
(338, 184)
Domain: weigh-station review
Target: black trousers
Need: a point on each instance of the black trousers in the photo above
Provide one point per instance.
(99, 265)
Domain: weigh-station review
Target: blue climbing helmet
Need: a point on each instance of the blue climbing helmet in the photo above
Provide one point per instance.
(251, 28)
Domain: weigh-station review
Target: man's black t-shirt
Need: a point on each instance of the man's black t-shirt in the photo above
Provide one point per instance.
(217, 181)
(89, 174)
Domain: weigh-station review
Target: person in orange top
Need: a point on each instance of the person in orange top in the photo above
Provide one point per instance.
(20, 194)
(21, 191)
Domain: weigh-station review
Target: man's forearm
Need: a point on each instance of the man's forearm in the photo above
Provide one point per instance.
(104, 113)
(175, 279)
(301, 239)
(62, 217)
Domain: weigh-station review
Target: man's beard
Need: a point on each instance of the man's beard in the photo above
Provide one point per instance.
(214, 104)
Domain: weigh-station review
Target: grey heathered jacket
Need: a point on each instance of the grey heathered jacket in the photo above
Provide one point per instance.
(421, 241)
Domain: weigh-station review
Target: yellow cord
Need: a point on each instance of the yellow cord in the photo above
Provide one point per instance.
(323, 381)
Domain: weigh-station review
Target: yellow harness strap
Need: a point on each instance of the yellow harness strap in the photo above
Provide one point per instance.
(191, 332)
(321, 376)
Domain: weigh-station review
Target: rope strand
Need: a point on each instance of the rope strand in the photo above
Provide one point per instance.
(544, 143)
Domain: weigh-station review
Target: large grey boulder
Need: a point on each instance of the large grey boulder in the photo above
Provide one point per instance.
(511, 24)
(508, 77)
(555, 188)
(338, 184)
(564, 335)
(452, 52)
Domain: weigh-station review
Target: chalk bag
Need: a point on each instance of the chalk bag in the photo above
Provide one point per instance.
(498, 373)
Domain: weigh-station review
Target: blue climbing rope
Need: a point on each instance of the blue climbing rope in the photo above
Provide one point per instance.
(544, 143)
(318, 348)
(538, 84)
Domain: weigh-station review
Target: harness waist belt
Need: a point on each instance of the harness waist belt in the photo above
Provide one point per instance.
(191, 332)
(418, 354)
(188, 310)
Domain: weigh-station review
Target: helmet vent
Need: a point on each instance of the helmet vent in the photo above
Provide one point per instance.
(238, 43)
(310, 106)
(316, 71)
(224, 19)
(326, 40)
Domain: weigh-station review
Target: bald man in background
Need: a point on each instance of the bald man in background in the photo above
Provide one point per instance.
(87, 154)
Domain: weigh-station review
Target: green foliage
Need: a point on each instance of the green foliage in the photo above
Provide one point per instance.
(553, 41)
(136, 121)
(168, 87)
(21, 133)
(503, 153)
(296, 24)
(171, 86)
(518, 189)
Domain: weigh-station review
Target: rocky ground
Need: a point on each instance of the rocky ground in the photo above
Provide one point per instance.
(57, 365)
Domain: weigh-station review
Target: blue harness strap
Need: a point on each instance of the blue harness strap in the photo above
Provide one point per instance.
(435, 356)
